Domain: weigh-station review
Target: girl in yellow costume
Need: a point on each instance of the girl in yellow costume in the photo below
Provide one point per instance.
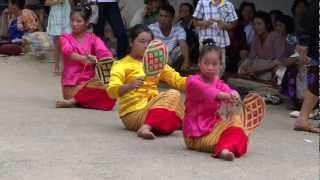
(142, 107)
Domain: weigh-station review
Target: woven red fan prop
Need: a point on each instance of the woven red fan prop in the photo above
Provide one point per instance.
(155, 58)
(103, 68)
(253, 112)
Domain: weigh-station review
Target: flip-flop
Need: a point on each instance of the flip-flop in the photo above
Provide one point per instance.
(272, 99)
(296, 114)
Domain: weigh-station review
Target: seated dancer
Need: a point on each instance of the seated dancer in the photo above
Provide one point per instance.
(142, 107)
(204, 128)
(81, 50)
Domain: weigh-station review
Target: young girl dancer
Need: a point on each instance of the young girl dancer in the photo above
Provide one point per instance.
(81, 50)
(142, 107)
(204, 129)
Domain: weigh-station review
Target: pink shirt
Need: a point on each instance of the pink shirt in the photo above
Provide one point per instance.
(202, 106)
(76, 72)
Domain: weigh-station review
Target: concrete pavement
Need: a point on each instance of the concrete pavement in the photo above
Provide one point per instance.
(39, 142)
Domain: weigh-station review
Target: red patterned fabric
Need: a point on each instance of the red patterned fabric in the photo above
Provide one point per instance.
(163, 121)
(233, 139)
(93, 98)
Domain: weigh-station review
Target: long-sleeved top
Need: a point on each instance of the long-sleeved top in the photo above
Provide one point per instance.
(202, 106)
(273, 48)
(129, 69)
(76, 72)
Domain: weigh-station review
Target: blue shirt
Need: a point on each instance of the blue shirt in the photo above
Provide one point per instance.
(14, 32)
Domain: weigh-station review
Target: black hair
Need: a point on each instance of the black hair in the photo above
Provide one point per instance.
(247, 4)
(266, 18)
(288, 22)
(276, 13)
(296, 3)
(84, 10)
(208, 45)
(191, 9)
(168, 8)
(136, 30)
(19, 3)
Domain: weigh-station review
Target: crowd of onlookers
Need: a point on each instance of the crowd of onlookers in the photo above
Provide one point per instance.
(257, 45)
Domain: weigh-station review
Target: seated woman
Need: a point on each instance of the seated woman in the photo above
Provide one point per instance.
(80, 51)
(293, 82)
(23, 21)
(266, 50)
(142, 107)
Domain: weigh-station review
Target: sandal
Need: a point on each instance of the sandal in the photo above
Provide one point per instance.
(272, 99)
(308, 128)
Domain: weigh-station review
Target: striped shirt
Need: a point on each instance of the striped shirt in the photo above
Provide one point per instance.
(177, 34)
(225, 11)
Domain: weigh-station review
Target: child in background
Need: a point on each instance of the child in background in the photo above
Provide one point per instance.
(58, 23)
(204, 129)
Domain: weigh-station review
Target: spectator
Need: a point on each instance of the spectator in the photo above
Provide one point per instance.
(58, 24)
(274, 14)
(310, 54)
(238, 50)
(173, 36)
(149, 13)
(298, 9)
(285, 27)
(109, 10)
(214, 18)
(267, 48)
(293, 82)
(247, 12)
(23, 21)
(185, 21)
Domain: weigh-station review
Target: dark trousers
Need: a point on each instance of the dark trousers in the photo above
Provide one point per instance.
(110, 12)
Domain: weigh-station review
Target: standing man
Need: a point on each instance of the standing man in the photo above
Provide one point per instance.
(215, 18)
(109, 11)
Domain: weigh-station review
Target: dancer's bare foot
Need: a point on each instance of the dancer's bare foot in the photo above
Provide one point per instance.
(145, 132)
(227, 155)
(65, 103)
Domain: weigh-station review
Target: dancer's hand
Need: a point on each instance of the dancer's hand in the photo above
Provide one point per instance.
(235, 98)
(91, 59)
(135, 84)
(224, 97)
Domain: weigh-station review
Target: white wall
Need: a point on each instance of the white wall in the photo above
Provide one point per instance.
(266, 5)
(131, 6)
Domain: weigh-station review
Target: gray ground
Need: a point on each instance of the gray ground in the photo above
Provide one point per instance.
(39, 142)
